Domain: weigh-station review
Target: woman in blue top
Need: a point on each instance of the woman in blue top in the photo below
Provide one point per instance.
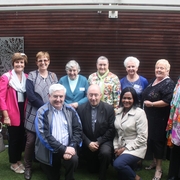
(75, 84)
(132, 79)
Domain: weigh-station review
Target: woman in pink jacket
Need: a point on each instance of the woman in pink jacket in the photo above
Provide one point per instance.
(12, 105)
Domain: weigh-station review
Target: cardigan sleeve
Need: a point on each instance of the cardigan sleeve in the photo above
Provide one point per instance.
(33, 97)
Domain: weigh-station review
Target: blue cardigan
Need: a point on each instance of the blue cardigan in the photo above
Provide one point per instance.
(80, 93)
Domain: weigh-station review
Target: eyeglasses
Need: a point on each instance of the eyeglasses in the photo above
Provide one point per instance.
(42, 60)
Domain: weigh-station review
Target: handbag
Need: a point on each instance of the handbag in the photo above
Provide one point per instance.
(2, 146)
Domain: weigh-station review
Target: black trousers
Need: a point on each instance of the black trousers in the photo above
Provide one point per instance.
(16, 142)
(16, 139)
(99, 161)
(53, 172)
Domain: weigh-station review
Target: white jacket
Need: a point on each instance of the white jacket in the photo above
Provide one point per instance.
(131, 131)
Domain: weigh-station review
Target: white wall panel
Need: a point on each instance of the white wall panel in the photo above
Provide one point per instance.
(11, 2)
(155, 2)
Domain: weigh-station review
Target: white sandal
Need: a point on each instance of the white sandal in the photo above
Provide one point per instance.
(22, 166)
(160, 173)
(17, 169)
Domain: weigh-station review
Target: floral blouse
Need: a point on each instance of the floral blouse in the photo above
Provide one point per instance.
(173, 126)
(111, 87)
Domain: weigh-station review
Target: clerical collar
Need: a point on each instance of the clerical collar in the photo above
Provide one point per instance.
(94, 107)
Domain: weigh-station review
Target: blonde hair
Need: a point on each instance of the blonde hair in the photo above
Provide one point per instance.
(42, 53)
(165, 63)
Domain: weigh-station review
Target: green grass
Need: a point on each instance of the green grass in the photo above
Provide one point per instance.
(80, 174)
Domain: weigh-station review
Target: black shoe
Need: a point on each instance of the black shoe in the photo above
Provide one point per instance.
(138, 166)
(27, 174)
(173, 178)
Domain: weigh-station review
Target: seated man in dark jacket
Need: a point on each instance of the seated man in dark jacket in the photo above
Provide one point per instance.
(59, 132)
(97, 119)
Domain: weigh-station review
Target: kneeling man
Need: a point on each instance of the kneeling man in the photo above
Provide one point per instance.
(59, 132)
(97, 119)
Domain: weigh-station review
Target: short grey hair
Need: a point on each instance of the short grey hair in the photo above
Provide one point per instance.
(103, 58)
(71, 64)
(56, 87)
(133, 59)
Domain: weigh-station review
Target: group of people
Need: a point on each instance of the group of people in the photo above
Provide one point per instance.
(101, 119)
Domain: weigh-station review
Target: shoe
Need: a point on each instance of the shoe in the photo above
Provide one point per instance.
(152, 166)
(172, 178)
(21, 166)
(138, 166)
(27, 174)
(17, 169)
(160, 173)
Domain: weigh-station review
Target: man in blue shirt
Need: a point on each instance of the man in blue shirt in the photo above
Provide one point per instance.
(59, 132)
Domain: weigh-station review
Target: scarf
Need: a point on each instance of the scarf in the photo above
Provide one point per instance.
(101, 83)
(16, 85)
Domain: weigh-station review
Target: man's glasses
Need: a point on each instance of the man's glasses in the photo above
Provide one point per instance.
(42, 60)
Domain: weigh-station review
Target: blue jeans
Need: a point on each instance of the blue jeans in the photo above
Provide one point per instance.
(124, 164)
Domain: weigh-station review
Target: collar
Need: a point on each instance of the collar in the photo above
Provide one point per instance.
(132, 111)
(56, 110)
(104, 75)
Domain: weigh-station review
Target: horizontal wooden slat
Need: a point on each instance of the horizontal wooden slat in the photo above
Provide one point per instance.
(84, 36)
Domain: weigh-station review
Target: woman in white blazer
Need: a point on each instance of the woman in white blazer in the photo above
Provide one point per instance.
(130, 142)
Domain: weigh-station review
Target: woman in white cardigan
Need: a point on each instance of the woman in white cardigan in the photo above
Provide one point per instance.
(130, 142)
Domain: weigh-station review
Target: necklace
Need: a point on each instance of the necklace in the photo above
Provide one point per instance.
(158, 81)
(132, 83)
(133, 80)
(43, 74)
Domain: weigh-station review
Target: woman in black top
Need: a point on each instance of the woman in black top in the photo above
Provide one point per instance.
(157, 97)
